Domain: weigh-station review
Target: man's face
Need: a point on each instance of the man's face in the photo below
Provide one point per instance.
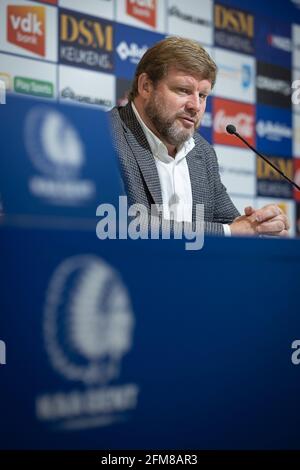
(176, 105)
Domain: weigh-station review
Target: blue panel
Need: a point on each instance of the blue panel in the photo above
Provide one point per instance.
(285, 10)
(274, 130)
(273, 41)
(55, 159)
(130, 46)
(208, 358)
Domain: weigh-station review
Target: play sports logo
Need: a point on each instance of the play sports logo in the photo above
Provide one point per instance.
(26, 27)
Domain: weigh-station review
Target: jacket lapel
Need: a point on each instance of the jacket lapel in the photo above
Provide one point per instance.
(140, 148)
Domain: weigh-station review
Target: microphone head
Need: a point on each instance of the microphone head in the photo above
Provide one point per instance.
(231, 129)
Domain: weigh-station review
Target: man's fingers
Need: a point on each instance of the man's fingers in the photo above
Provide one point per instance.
(249, 210)
(271, 227)
(267, 213)
(283, 233)
(283, 218)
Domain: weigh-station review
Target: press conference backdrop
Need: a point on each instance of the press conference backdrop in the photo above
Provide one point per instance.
(85, 53)
(98, 356)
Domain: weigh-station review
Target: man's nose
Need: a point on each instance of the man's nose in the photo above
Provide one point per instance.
(194, 102)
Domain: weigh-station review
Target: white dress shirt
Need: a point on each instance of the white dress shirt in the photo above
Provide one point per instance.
(173, 175)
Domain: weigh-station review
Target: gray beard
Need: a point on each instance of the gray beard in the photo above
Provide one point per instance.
(167, 128)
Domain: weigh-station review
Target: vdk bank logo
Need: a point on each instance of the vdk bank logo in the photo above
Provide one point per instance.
(2, 353)
(56, 150)
(88, 328)
(26, 27)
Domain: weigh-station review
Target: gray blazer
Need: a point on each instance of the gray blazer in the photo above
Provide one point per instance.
(141, 178)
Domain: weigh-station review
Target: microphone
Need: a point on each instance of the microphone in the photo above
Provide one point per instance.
(231, 129)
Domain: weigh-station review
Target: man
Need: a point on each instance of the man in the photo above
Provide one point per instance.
(164, 161)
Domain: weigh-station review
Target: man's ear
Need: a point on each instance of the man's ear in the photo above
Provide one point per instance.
(145, 85)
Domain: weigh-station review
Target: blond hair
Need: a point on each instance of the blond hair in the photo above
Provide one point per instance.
(184, 54)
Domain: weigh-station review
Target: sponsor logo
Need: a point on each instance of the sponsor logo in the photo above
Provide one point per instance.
(266, 171)
(174, 11)
(2, 353)
(242, 74)
(26, 27)
(241, 115)
(273, 42)
(132, 51)
(57, 152)
(236, 76)
(51, 2)
(131, 44)
(275, 131)
(280, 42)
(30, 86)
(143, 10)
(269, 182)
(273, 85)
(88, 329)
(70, 94)
(242, 121)
(235, 171)
(85, 41)
(235, 21)
(234, 29)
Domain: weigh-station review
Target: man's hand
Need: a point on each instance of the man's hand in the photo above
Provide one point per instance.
(269, 220)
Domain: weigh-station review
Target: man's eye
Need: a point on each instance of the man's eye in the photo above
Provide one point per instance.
(183, 90)
(202, 96)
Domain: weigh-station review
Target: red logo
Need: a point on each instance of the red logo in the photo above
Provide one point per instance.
(241, 115)
(143, 10)
(26, 27)
(51, 2)
(297, 178)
